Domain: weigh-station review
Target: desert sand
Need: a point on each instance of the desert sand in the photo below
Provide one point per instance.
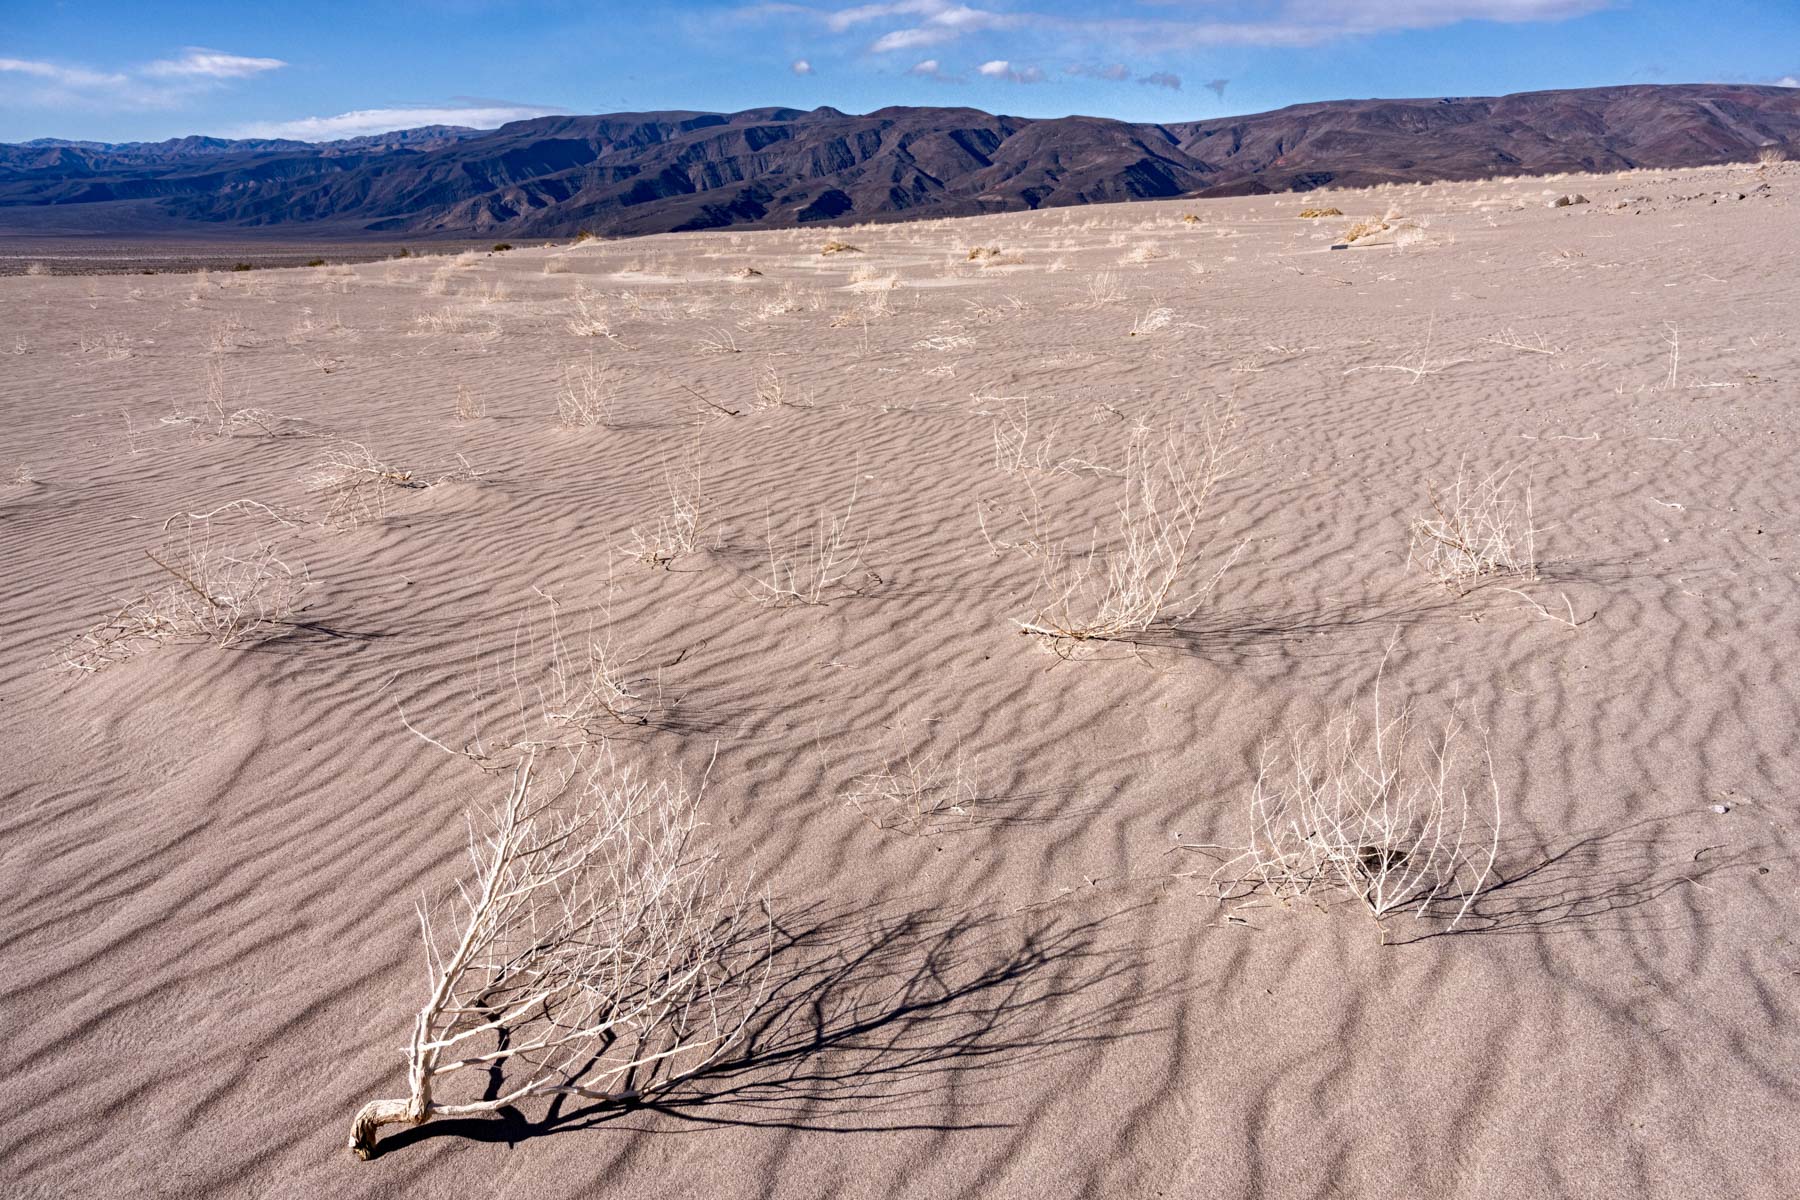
(211, 856)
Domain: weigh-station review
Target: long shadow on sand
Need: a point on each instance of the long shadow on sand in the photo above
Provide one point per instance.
(1601, 880)
(882, 1022)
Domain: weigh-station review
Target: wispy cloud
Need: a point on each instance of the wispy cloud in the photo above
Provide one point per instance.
(1000, 68)
(365, 121)
(919, 24)
(1116, 72)
(1217, 87)
(62, 76)
(196, 62)
(164, 83)
(1120, 73)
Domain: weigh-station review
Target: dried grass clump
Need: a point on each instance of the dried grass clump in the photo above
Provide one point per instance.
(686, 528)
(591, 950)
(1770, 155)
(586, 398)
(357, 486)
(555, 691)
(839, 248)
(1478, 527)
(806, 569)
(37, 268)
(1146, 574)
(229, 591)
(1152, 321)
(556, 266)
(1374, 810)
(916, 791)
(992, 256)
(1312, 214)
(1364, 229)
(590, 319)
(469, 406)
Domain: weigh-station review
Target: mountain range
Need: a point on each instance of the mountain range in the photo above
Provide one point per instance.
(635, 173)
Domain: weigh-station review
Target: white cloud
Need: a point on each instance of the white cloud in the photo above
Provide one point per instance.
(385, 120)
(73, 77)
(930, 68)
(165, 83)
(923, 23)
(1000, 68)
(199, 63)
(801, 67)
(1792, 81)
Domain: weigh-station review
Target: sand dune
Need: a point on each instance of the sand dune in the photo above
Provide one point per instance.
(211, 856)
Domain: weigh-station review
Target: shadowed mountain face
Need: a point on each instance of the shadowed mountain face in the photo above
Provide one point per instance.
(629, 173)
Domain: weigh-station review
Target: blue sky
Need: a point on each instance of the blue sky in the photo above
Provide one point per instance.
(149, 70)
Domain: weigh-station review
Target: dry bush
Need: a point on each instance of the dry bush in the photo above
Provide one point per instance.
(719, 341)
(592, 950)
(685, 529)
(551, 690)
(226, 587)
(1151, 322)
(915, 791)
(806, 569)
(1375, 810)
(37, 268)
(356, 485)
(110, 345)
(1310, 214)
(586, 398)
(772, 392)
(556, 266)
(1478, 527)
(1104, 289)
(1147, 573)
(1364, 229)
(1015, 449)
(1770, 155)
(590, 318)
(469, 406)
(835, 247)
(220, 418)
(978, 253)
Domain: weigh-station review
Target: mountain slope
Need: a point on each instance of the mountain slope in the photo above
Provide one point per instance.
(627, 173)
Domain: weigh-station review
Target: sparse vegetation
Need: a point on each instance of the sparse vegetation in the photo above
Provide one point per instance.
(1370, 809)
(685, 528)
(1145, 574)
(1479, 526)
(593, 949)
(586, 398)
(222, 585)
